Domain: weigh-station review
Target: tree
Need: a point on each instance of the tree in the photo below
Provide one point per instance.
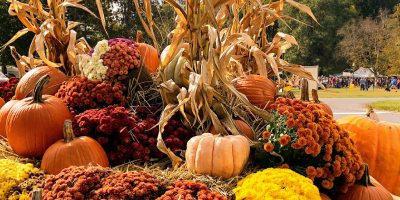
(363, 43)
(391, 51)
(318, 42)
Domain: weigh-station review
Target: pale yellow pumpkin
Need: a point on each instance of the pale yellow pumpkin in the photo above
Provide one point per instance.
(217, 156)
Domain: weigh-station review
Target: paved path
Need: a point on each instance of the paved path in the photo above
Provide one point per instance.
(357, 106)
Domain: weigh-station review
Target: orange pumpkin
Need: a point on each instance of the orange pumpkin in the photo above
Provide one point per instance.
(35, 123)
(217, 156)
(379, 146)
(73, 151)
(148, 54)
(324, 106)
(259, 90)
(27, 83)
(366, 190)
(2, 102)
(241, 126)
(3, 116)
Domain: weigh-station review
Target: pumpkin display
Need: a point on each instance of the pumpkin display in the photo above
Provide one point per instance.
(379, 146)
(35, 123)
(3, 116)
(72, 151)
(366, 190)
(28, 81)
(259, 90)
(324, 106)
(242, 126)
(217, 156)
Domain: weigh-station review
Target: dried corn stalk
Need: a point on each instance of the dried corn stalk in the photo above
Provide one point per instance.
(55, 40)
(225, 39)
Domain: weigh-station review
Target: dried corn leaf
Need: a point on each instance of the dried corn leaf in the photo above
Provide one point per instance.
(19, 34)
(303, 8)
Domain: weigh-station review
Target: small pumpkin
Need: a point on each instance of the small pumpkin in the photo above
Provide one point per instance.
(148, 54)
(259, 90)
(366, 190)
(72, 151)
(241, 126)
(35, 123)
(379, 146)
(27, 83)
(217, 156)
(3, 116)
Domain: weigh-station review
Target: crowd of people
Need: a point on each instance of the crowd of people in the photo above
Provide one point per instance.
(389, 83)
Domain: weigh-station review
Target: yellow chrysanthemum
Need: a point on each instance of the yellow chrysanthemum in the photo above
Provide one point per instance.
(271, 184)
(13, 173)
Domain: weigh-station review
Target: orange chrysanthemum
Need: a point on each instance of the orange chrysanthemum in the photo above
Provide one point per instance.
(266, 135)
(284, 140)
(327, 184)
(290, 123)
(268, 147)
(311, 171)
(302, 141)
(285, 165)
(296, 146)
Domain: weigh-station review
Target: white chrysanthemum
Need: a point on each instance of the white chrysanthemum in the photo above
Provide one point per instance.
(93, 67)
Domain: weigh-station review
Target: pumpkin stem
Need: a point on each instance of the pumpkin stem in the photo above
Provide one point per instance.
(38, 91)
(68, 131)
(37, 194)
(366, 180)
(314, 94)
(139, 37)
(304, 90)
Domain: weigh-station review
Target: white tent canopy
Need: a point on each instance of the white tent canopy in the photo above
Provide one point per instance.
(363, 73)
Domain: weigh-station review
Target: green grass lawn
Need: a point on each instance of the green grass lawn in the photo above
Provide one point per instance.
(353, 93)
(390, 105)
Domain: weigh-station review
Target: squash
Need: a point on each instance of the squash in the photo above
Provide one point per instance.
(27, 83)
(259, 90)
(35, 123)
(379, 146)
(366, 190)
(217, 156)
(72, 151)
(241, 126)
(3, 116)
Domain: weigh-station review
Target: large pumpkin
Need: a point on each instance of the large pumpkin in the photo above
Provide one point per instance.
(379, 146)
(3, 116)
(241, 126)
(259, 90)
(217, 156)
(35, 123)
(27, 83)
(72, 151)
(366, 190)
